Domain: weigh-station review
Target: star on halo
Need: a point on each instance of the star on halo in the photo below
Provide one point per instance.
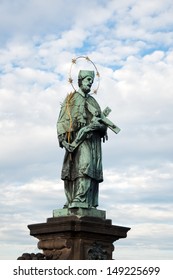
(97, 74)
(70, 80)
(74, 60)
(87, 58)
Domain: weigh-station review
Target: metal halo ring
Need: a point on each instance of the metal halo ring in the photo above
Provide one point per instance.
(74, 60)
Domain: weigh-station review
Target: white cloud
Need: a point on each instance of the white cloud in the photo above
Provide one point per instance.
(23, 204)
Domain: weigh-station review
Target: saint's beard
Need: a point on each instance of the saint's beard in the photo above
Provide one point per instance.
(85, 88)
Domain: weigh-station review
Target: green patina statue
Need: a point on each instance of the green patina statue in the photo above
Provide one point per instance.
(81, 126)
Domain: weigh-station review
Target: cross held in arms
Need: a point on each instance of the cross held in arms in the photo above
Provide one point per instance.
(103, 118)
(83, 132)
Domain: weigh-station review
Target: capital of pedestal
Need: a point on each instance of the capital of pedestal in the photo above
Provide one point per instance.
(77, 237)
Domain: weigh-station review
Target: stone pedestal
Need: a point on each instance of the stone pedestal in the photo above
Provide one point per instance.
(76, 237)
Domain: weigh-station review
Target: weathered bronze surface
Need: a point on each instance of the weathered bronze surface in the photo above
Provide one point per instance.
(81, 126)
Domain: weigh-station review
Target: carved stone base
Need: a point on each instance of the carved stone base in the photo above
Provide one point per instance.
(77, 238)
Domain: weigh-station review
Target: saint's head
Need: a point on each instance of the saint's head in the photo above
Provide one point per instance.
(85, 80)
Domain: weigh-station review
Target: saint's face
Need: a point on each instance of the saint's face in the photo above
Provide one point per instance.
(86, 84)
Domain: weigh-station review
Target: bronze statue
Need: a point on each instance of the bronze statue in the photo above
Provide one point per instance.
(81, 126)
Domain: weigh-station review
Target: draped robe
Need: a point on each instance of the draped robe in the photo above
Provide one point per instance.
(82, 169)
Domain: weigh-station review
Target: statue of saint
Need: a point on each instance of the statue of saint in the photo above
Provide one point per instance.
(80, 131)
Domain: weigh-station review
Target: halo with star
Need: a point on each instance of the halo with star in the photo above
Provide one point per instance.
(73, 62)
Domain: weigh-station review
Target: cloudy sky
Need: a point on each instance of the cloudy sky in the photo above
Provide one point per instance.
(131, 43)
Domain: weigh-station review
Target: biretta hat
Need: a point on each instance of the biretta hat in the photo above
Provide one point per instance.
(85, 73)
